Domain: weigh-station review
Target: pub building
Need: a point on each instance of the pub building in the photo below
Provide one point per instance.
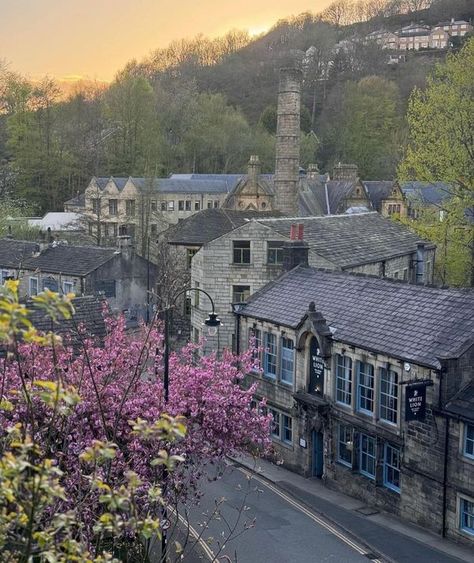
(360, 375)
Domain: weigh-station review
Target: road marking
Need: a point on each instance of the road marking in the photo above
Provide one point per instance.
(308, 513)
(205, 547)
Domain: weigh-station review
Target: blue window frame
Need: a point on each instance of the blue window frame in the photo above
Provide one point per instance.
(287, 363)
(468, 449)
(388, 395)
(287, 435)
(33, 286)
(344, 440)
(270, 355)
(343, 379)
(367, 456)
(466, 515)
(275, 428)
(365, 387)
(391, 468)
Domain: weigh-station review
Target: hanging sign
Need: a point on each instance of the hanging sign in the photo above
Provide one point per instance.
(316, 368)
(415, 401)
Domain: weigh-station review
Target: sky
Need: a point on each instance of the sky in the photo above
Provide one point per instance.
(72, 39)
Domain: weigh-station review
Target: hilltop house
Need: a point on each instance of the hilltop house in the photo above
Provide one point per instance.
(370, 385)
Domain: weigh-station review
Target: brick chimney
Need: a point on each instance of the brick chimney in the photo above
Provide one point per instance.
(295, 251)
(345, 172)
(124, 246)
(287, 161)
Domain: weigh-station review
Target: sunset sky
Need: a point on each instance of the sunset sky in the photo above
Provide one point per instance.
(69, 39)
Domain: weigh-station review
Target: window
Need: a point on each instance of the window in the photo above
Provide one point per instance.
(241, 252)
(209, 204)
(95, 205)
(170, 205)
(130, 208)
(91, 229)
(405, 274)
(240, 293)
(163, 206)
(113, 227)
(216, 204)
(197, 206)
(6, 275)
(113, 207)
(275, 252)
(187, 306)
(107, 287)
(105, 229)
(395, 275)
(287, 360)
(153, 229)
(343, 379)
(466, 513)
(275, 424)
(270, 355)
(154, 208)
(391, 468)
(344, 445)
(281, 426)
(365, 387)
(181, 205)
(33, 286)
(187, 205)
(468, 448)
(68, 287)
(287, 424)
(367, 456)
(388, 395)
(255, 342)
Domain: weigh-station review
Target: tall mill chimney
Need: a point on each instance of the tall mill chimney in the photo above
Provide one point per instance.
(287, 163)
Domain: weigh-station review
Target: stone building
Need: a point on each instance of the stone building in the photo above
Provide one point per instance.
(122, 276)
(370, 384)
(233, 254)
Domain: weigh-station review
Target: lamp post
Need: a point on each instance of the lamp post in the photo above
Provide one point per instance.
(213, 323)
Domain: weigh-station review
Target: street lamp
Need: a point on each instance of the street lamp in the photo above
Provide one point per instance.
(213, 323)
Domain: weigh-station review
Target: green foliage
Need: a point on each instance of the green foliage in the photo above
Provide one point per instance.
(441, 148)
(366, 129)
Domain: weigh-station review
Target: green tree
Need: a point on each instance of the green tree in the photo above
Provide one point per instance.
(134, 136)
(441, 148)
(367, 129)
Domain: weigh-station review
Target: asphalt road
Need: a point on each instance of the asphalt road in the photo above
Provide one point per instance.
(244, 519)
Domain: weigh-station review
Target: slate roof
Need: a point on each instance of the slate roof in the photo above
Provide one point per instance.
(352, 239)
(378, 190)
(209, 224)
(72, 260)
(77, 201)
(15, 252)
(426, 193)
(88, 319)
(410, 322)
(462, 404)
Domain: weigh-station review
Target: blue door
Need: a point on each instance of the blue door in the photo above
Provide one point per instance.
(318, 454)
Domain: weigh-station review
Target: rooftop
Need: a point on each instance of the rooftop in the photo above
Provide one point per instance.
(13, 253)
(410, 322)
(462, 404)
(353, 239)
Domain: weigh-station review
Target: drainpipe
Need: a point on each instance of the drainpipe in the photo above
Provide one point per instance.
(445, 475)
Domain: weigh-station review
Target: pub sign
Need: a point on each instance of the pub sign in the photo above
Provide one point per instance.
(415, 401)
(316, 368)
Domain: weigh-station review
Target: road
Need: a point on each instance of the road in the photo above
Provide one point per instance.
(245, 519)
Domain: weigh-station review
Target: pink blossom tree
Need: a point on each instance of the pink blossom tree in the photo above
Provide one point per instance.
(98, 416)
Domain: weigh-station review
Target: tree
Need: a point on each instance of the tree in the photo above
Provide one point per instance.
(89, 449)
(441, 148)
(366, 129)
(130, 109)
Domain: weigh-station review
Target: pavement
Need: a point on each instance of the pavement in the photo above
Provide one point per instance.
(384, 534)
